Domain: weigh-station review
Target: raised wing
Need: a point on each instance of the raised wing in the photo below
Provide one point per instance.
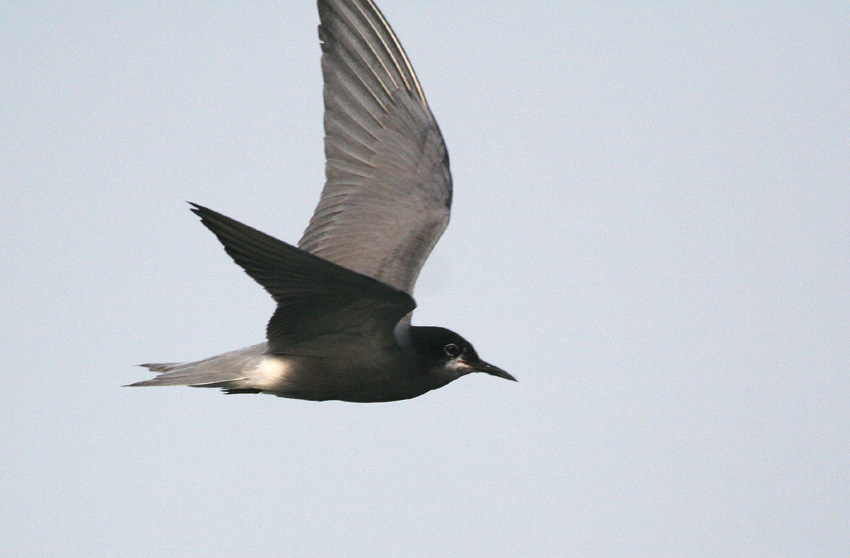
(320, 305)
(388, 192)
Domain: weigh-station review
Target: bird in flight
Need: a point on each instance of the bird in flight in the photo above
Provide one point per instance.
(342, 327)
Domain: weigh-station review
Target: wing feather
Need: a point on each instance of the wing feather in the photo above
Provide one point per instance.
(320, 305)
(388, 190)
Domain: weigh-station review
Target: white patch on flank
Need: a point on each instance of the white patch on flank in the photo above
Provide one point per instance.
(270, 373)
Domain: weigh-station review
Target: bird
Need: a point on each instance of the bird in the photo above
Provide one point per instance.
(342, 326)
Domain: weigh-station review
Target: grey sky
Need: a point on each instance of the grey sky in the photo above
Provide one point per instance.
(651, 231)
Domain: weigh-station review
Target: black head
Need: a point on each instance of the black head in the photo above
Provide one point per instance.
(446, 354)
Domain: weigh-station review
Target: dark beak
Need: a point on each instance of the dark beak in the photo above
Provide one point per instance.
(482, 366)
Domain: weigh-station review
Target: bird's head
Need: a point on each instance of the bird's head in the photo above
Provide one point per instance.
(448, 356)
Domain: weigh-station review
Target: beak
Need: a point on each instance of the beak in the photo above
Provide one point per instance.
(482, 366)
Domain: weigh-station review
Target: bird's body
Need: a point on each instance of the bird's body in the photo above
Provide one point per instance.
(342, 327)
(391, 374)
(383, 376)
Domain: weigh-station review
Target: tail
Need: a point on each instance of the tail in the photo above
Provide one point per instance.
(227, 371)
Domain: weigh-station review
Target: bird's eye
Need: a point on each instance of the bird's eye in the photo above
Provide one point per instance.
(452, 349)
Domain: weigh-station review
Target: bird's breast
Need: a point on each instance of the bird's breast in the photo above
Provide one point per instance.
(381, 378)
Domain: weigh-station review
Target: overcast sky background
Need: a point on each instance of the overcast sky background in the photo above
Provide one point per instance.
(651, 230)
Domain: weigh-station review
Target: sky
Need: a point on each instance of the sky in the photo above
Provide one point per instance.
(650, 230)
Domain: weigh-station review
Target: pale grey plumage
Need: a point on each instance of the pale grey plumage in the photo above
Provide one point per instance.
(388, 192)
(220, 370)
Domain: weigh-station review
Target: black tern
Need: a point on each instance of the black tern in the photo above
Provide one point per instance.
(342, 328)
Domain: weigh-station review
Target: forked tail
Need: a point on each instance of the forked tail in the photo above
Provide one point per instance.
(228, 370)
